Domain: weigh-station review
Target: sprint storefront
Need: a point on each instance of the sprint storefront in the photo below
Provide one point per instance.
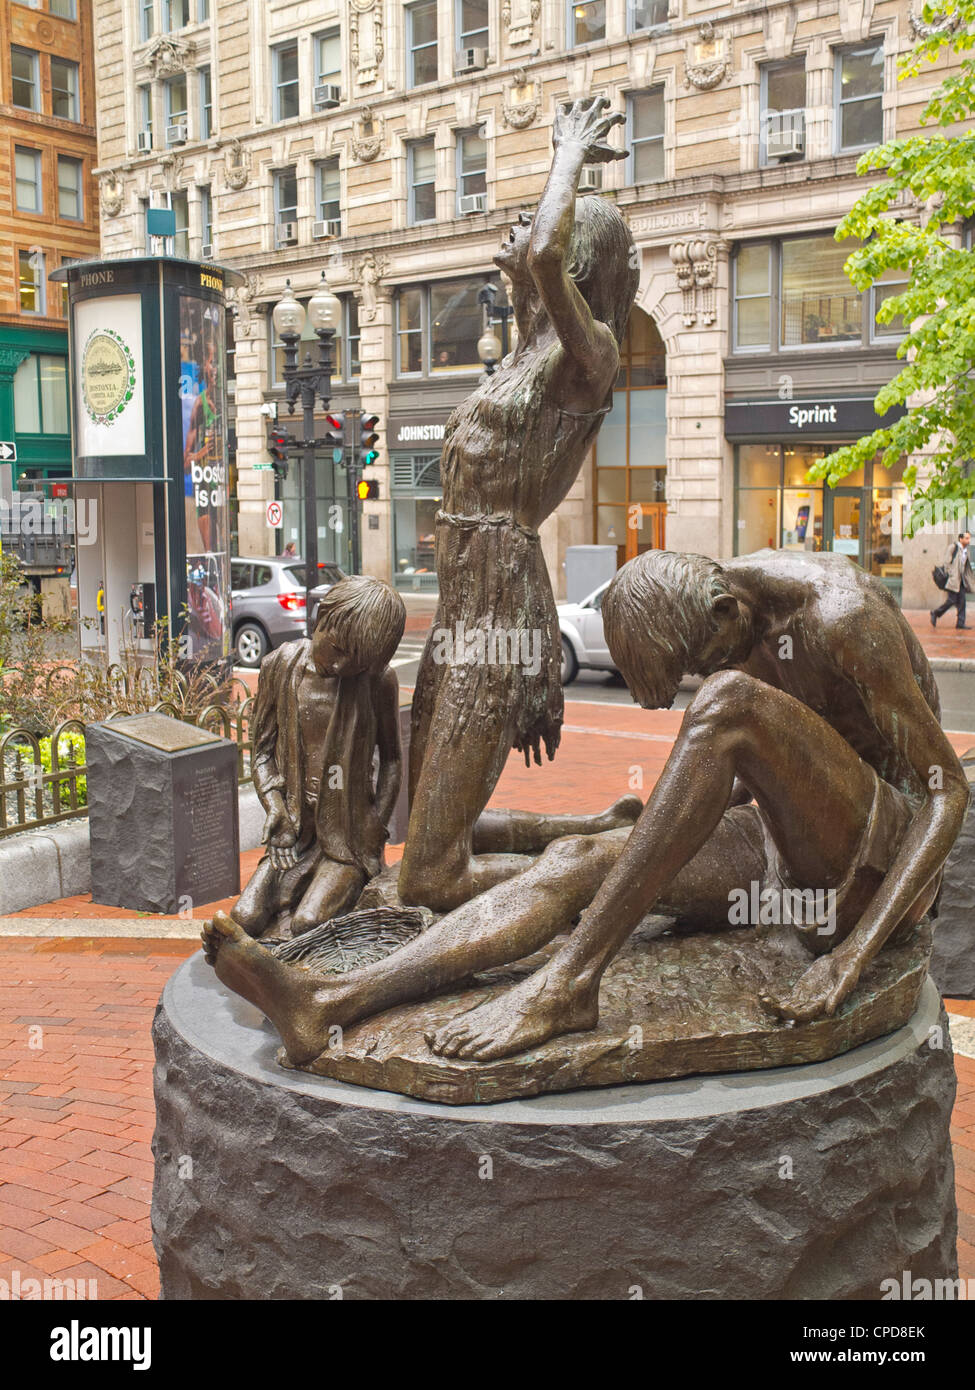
(775, 443)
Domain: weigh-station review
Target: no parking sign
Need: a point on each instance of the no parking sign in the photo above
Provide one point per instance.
(275, 515)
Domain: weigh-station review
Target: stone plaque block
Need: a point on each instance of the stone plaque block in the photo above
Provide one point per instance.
(162, 806)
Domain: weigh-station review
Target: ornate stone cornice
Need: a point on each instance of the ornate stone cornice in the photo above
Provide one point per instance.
(169, 55)
(368, 136)
(521, 101)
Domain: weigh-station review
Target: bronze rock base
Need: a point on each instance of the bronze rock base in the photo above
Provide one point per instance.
(669, 1006)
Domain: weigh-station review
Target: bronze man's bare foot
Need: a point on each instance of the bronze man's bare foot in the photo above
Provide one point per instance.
(527, 1014)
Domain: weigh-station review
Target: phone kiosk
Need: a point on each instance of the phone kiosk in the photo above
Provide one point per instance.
(147, 345)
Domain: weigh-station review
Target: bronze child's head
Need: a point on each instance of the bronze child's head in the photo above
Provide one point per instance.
(359, 626)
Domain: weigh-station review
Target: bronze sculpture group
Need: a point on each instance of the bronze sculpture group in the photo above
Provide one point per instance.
(811, 759)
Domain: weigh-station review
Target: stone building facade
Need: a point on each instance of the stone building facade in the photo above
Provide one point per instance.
(393, 143)
(48, 217)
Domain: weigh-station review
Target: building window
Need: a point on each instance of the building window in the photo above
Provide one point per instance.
(421, 163)
(586, 21)
(286, 207)
(438, 327)
(472, 24)
(645, 136)
(41, 395)
(286, 82)
(795, 293)
(145, 118)
(64, 89)
(859, 110)
(409, 332)
(147, 19)
(782, 130)
(753, 296)
(67, 260)
(818, 302)
(30, 265)
(421, 43)
(64, 9)
(645, 14)
(177, 14)
(471, 173)
(329, 194)
(25, 79)
(27, 163)
(70, 195)
(891, 283)
(203, 11)
(206, 220)
(206, 104)
(352, 338)
(328, 59)
(179, 203)
(176, 110)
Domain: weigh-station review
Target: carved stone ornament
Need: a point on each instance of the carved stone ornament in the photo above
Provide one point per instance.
(518, 19)
(711, 63)
(169, 55)
(366, 39)
(368, 134)
(237, 166)
(111, 195)
(521, 101)
(921, 29)
(242, 299)
(172, 167)
(369, 272)
(695, 265)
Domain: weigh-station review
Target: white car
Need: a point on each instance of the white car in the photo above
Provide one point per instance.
(583, 639)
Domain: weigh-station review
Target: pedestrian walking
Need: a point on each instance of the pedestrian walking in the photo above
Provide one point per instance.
(960, 583)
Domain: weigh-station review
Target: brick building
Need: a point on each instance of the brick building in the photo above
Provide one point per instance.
(48, 217)
(393, 143)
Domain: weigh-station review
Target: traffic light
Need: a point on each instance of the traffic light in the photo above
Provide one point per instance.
(335, 433)
(368, 439)
(277, 447)
(367, 489)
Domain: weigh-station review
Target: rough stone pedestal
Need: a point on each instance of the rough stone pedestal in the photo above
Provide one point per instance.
(815, 1182)
(953, 954)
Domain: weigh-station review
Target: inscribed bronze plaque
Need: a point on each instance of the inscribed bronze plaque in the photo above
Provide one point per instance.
(163, 732)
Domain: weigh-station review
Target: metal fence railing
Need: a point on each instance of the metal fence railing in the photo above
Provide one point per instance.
(43, 778)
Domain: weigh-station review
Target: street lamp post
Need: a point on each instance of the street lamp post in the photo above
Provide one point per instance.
(490, 349)
(306, 383)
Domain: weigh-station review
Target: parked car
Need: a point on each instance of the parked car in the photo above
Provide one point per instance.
(269, 603)
(583, 639)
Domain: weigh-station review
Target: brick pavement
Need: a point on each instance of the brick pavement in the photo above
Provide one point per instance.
(76, 1112)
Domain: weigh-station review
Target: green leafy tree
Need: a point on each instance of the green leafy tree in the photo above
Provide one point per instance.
(936, 174)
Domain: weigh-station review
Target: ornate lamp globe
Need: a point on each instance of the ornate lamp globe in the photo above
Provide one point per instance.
(324, 309)
(288, 315)
(488, 348)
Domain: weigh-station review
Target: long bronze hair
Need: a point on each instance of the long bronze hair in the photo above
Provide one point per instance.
(604, 262)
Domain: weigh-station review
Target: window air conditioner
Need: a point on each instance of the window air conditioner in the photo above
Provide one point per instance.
(591, 178)
(326, 96)
(206, 251)
(286, 234)
(330, 228)
(144, 141)
(471, 60)
(176, 134)
(472, 202)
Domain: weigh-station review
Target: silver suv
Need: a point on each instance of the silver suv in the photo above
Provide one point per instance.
(269, 603)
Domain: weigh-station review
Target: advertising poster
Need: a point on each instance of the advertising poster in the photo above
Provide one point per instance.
(202, 391)
(109, 377)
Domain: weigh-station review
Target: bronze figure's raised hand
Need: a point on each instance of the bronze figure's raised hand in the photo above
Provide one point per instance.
(586, 124)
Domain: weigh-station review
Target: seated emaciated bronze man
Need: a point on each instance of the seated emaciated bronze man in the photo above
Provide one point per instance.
(324, 708)
(812, 757)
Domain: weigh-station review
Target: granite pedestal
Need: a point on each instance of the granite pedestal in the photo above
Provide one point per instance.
(953, 953)
(163, 814)
(809, 1182)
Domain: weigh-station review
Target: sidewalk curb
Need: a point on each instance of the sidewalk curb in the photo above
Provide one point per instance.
(41, 866)
(166, 928)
